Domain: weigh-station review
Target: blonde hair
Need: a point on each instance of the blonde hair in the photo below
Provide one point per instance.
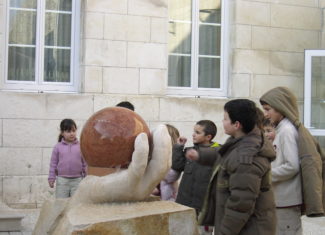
(173, 132)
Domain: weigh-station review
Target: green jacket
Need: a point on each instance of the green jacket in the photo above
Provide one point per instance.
(195, 177)
(312, 157)
(240, 199)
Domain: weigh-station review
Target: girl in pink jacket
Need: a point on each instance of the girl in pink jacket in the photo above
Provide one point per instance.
(67, 166)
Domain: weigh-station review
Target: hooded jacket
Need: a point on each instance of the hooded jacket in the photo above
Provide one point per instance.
(312, 158)
(240, 198)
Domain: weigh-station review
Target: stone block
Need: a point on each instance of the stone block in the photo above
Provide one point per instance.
(1, 20)
(93, 79)
(10, 221)
(322, 40)
(46, 159)
(159, 30)
(127, 28)
(240, 85)
(20, 161)
(294, 17)
(190, 109)
(322, 4)
(263, 83)
(25, 190)
(105, 53)
(138, 28)
(1, 134)
(252, 13)
(147, 55)
(307, 3)
(104, 101)
(94, 25)
(153, 81)
(30, 133)
(121, 80)
(157, 8)
(251, 61)
(147, 107)
(115, 27)
(280, 39)
(19, 105)
(157, 217)
(287, 63)
(243, 36)
(111, 6)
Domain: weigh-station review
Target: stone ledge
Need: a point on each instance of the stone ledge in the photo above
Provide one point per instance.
(155, 217)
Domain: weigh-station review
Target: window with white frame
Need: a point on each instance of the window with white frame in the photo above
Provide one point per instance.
(42, 45)
(197, 44)
(314, 94)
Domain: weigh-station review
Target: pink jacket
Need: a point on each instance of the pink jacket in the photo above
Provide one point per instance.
(67, 161)
(169, 186)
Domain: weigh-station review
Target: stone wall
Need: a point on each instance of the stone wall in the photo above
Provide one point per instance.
(124, 57)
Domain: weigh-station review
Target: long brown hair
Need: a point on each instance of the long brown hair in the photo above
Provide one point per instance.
(66, 125)
(173, 132)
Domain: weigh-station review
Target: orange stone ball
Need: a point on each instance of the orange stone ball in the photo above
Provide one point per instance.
(107, 138)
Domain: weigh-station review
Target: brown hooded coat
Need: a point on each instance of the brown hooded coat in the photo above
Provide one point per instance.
(312, 158)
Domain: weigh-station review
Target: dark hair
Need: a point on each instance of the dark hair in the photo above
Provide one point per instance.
(267, 122)
(66, 125)
(260, 118)
(126, 104)
(244, 111)
(209, 127)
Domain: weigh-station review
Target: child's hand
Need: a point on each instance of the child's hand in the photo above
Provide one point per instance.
(51, 184)
(181, 140)
(192, 154)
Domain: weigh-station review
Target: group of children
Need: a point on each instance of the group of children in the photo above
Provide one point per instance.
(259, 181)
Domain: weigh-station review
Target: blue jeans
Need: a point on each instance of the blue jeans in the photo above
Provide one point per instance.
(65, 187)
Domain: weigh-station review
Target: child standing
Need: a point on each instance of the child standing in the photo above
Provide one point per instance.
(269, 130)
(168, 187)
(67, 166)
(195, 177)
(239, 197)
(297, 170)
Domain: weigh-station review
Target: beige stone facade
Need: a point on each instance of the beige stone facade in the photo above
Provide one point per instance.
(124, 56)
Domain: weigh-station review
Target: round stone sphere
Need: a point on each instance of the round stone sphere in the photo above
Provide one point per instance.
(107, 138)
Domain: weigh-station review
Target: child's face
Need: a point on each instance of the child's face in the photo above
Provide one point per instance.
(270, 113)
(230, 128)
(269, 132)
(70, 136)
(199, 136)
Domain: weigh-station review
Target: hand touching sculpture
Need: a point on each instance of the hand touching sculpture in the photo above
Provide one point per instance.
(137, 181)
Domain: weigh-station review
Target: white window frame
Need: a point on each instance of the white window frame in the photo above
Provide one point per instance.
(194, 90)
(308, 89)
(39, 85)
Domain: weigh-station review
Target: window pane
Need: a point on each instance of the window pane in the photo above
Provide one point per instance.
(210, 11)
(56, 65)
(31, 4)
(179, 71)
(210, 40)
(21, 64)
(58, 29)
(22, 27)
(209, 73)
(180, 10)
(318, 92)
(59, 5)
(179, 38)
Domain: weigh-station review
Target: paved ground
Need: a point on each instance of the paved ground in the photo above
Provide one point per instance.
(311, 226)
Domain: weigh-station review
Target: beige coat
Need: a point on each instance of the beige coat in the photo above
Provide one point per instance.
(312, 157)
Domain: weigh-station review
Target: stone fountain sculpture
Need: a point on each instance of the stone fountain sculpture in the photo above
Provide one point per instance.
(120, 203)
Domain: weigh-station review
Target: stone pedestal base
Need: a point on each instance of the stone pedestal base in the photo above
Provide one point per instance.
(10, 220)
(143, 218)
